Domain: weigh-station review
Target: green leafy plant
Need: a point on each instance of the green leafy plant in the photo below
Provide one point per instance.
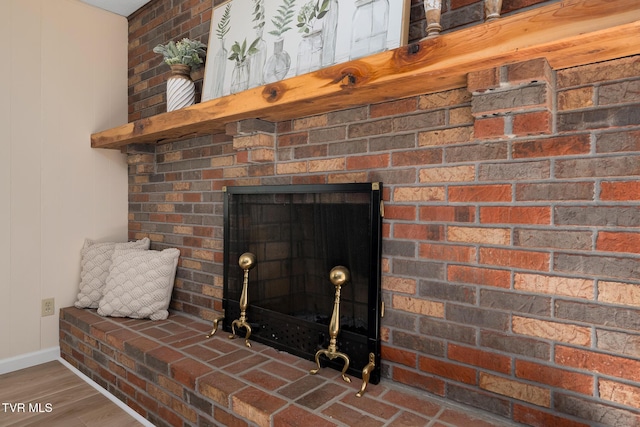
(240, 52)
(283, 18)
(186, 51)
(223, 25)
(309, 13)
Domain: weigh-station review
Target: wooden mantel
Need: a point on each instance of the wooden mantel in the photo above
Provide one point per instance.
(567, 33)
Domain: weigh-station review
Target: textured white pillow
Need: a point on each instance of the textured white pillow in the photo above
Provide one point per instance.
(139, 284)
(94, 268)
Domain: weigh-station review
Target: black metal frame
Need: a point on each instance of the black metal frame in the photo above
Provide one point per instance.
(361, 344)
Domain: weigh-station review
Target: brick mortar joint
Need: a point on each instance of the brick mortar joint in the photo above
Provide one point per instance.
(525, 109)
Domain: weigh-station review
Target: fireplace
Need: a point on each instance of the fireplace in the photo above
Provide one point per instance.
(298, 234)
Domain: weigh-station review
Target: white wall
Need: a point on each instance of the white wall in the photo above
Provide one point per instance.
(64, 77)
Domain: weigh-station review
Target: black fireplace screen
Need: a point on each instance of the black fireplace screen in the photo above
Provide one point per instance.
(298, 233)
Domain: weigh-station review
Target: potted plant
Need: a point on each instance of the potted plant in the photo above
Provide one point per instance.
(181, 56)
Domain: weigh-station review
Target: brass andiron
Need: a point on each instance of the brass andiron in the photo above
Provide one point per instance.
(339, 276)
(247, 261)
(366, 372)
(216, 321)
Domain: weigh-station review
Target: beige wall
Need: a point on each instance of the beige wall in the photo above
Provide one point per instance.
(62, 78)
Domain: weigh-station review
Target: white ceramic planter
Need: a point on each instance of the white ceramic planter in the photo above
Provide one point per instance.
(181, 90)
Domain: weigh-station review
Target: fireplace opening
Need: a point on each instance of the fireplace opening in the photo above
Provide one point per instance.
(298, 234)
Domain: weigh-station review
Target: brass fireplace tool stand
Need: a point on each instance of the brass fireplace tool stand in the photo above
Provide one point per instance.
(247, 261)
(339, 276)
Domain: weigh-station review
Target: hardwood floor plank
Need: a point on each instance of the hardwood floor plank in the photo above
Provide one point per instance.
(89, 411)
(31, 386)
(61, 403)
(52, 395)
(107, 416)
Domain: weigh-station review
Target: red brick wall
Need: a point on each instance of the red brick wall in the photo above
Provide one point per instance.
(511, 237)
(511, 234)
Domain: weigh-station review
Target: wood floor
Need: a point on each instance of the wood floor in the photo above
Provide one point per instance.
(52, 395)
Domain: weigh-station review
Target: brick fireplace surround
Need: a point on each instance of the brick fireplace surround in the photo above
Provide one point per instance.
(511, 234)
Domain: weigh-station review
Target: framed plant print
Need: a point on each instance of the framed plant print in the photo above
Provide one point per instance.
(255, 42)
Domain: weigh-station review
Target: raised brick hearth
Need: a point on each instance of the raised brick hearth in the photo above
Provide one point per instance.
(170, 373)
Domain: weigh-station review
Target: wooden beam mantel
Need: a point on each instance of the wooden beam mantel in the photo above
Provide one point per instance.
(567, 33)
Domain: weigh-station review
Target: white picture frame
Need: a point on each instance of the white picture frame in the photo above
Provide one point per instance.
(285, 24)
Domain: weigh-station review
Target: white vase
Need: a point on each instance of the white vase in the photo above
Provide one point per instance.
(181, 90)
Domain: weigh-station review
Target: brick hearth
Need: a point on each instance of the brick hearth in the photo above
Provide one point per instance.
(171, 374)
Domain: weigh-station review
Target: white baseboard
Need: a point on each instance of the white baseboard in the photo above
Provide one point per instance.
(28, 360)
(108, 395)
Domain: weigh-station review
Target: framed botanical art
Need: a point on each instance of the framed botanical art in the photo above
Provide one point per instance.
(255, 42)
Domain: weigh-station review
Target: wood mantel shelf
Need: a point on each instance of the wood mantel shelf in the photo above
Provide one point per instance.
(567, 33)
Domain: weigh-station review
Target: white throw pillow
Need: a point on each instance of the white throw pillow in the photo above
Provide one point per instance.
(139, 284)
(94, 268)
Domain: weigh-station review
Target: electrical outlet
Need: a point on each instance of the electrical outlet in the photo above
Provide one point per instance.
(48, 307)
